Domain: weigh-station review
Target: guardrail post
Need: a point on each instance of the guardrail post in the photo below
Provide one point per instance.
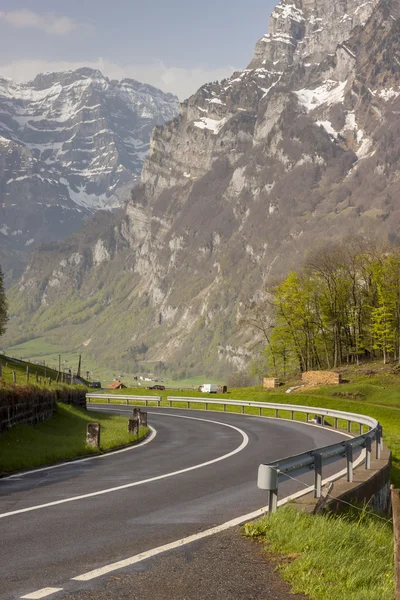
(273, 501)
(348, 426)
(242, 409)
(307, 417)
(318, 475)
(292, 415)
(108, 400)
(361, 429)
(336, 423)
(170, 403)
(349, 460)
(224, 407)
(260, 411)
(368, 451)
(378, 442)
(276, 413)
(206, 405)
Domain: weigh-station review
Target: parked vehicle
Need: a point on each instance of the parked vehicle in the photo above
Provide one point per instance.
(208, 388)
(157, 387)
(95, 384)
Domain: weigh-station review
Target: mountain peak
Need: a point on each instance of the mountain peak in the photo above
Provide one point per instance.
(43, 81)
(305, 30)
(71, 143)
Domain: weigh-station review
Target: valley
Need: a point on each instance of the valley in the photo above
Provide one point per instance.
(297, 149)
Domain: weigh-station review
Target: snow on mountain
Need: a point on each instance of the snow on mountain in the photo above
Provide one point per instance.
(71, 143)
(301, 147)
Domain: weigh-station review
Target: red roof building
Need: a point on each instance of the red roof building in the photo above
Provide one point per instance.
(116, 385)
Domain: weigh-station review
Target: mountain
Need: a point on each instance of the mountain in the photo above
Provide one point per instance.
(71, 143)
(299, 148)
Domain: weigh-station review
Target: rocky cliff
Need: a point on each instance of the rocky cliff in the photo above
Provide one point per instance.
(300, 147)
(71, 143)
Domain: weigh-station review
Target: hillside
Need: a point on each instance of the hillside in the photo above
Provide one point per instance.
(300, 147)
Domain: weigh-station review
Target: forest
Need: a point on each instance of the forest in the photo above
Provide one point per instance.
(341, 307)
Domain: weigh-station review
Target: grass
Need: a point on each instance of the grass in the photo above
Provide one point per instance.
(38, 350)
(9, 365)
(62, 437)
(331, 557)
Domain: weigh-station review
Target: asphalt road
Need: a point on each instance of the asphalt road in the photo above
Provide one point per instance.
(200, 470)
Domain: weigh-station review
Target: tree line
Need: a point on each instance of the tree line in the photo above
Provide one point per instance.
(341, 307)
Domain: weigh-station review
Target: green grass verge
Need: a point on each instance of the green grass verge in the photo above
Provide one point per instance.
(331, 557)
(62, 437)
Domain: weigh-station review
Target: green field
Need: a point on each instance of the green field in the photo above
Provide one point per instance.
(39, 350)
(60, 438)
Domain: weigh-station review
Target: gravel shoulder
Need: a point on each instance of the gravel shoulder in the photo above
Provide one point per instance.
(227, 566)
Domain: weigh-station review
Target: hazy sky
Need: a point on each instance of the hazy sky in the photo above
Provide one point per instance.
(176, 45)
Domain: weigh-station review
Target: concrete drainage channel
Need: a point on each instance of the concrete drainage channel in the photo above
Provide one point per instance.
(371, 482)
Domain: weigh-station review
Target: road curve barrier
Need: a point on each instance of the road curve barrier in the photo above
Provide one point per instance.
(370, 430)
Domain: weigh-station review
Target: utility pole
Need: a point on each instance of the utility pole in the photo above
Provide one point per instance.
(78, 373)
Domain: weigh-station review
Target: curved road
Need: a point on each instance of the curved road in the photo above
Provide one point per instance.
(200, 470)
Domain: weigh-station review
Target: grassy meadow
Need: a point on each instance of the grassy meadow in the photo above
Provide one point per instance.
(60, 438)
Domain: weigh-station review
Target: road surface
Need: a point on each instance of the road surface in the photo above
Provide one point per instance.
(61, 528)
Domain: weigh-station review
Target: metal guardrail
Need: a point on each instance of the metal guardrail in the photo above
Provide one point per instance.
(313, 460)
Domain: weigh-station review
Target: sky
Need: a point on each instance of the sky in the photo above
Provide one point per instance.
(176, 45)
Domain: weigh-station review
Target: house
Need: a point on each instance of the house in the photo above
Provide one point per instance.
(116, 385)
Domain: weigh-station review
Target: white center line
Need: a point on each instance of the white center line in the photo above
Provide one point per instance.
(42, 593)
(150, 480)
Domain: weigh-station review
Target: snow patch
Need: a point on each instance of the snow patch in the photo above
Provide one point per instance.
(212, 125)
(327, 125)
(388, 94)
(329, 93)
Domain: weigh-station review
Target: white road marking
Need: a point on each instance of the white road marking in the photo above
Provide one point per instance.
(42, 593)
(150, 480)
(203, 534)
(79, 461)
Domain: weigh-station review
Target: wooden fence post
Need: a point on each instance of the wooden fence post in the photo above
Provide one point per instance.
(27, 374)
(395, 495)
(14, 377)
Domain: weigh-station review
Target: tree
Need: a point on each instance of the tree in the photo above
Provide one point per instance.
(3, 306)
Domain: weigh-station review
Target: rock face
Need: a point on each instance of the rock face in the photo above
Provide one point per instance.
(300, 147)
(71, 143)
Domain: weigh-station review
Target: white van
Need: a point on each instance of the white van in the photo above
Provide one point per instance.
(209, 388)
